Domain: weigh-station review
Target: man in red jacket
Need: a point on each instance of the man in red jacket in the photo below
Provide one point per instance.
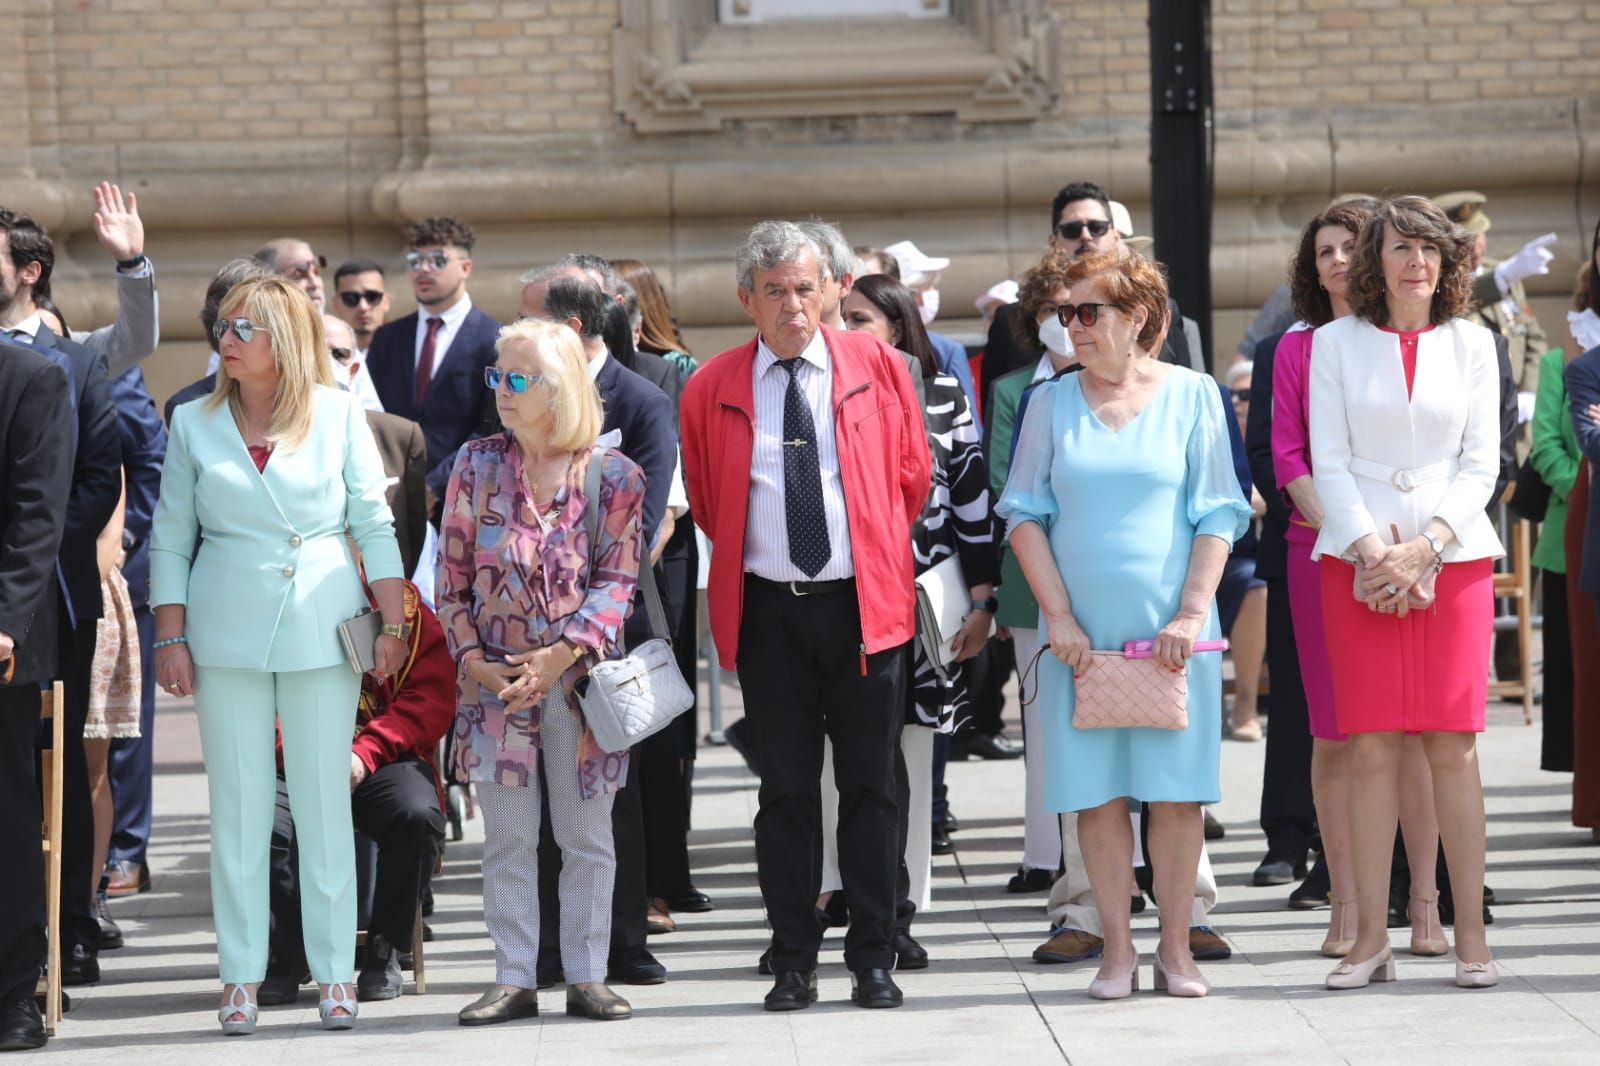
(395, 799)
(805, 461)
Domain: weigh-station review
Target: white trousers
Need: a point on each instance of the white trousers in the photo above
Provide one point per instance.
(1071, 904)
(1041, 835)
(916, 743)
(582, 829)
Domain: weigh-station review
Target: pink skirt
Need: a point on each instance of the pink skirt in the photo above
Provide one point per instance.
(1311, 641)
(1426, 672)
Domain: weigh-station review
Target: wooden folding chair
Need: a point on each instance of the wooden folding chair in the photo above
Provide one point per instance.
(52, 708)
(419, 975)
(1516, 584)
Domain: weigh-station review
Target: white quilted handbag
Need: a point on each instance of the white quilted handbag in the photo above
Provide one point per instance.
(627, 699)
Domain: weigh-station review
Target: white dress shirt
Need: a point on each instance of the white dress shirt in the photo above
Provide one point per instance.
(365, 388)
(28, 328)
(766, 530)
(449, 325)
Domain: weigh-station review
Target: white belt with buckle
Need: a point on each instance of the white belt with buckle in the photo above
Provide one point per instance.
(1403, 479)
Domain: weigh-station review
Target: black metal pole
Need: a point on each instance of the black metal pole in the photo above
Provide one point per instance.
(1180, 153)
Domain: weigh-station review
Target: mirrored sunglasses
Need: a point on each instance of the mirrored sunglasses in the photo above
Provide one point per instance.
(242, 328)
(515, 380)
(427, 260)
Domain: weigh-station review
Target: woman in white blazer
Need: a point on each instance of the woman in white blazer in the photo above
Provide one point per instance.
(250, 576)
(1405, 445)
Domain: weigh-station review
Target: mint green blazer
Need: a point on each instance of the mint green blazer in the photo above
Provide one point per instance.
(259, 559)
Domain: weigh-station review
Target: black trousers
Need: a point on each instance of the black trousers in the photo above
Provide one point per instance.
(398, 807)
(22, 939)
(1288, 816)
(1555, 749)
(987, 674)
(666, 760)
(79, 879)
(804, 675)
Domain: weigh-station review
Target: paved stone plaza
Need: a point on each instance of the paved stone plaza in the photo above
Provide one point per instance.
(982, 1001)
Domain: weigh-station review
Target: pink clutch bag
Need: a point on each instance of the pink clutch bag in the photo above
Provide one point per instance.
(1122, 692)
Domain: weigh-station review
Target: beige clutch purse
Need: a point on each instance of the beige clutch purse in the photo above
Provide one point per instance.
(359, 635)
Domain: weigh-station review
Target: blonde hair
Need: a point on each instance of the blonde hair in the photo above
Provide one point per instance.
(574, 402)
(299, 351)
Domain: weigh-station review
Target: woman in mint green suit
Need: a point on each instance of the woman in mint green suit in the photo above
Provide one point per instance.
(250, 577)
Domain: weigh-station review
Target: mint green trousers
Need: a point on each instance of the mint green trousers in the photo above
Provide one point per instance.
(317, 712)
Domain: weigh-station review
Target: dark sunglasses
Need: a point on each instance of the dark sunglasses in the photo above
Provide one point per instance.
(1088, 314)
(341, 355)
(1073, 230)
(515, 380)
(242, 328)
(421, 260)
(1240, 395)
(355, 297)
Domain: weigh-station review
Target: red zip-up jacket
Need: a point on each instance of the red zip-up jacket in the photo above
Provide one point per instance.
(884, 467)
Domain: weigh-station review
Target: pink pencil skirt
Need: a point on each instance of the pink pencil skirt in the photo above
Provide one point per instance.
(1311, 641)
(1426, 672)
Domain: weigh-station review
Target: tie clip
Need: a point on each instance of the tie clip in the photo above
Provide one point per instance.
(796, 443)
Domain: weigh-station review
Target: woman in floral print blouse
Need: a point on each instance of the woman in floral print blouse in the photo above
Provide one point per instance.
(528, 605)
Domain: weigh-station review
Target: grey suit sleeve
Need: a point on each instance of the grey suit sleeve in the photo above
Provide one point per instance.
(137, 330)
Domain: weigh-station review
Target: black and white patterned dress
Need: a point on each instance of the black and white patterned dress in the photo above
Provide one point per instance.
(958, 520)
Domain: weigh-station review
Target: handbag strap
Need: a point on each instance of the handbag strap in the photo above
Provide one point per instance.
(655, 613)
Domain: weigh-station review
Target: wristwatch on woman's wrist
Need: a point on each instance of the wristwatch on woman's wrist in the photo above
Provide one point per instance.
(399, 630)
(1435, 544)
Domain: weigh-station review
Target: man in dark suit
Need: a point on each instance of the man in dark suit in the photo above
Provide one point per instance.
(428, 366)
(643, 416)
(131, 764)
(26, 259)
(648, 365)
(36, 446)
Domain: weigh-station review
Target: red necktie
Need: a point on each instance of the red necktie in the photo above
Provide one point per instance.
(425, 361)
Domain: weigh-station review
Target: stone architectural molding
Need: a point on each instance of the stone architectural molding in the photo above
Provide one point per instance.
(675, 69)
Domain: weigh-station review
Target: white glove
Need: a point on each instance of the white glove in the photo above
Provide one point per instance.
(1531, 259)
(1525, 401)
(1585, 328)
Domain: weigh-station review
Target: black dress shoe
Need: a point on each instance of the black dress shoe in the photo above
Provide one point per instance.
(908, 954)
(279, 988)
(691, 902)
(792, 990)
(640, 968)
(874, 988)
(83, 968)
(764, 963)
(66, 1002)
(1313, 891)
(984, 746)
(1026, 880)
(941, 841)
(1213, 830)
(110, 934)
(1136, 904)
(380, 976)
(952, 824)
(21, 1024)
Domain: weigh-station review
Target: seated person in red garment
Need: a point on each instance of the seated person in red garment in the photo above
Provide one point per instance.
(395, 799)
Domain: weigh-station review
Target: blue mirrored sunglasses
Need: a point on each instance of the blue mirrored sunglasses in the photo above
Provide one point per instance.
(515, 380)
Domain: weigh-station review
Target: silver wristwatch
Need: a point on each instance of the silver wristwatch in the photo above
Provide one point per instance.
(1434, 542)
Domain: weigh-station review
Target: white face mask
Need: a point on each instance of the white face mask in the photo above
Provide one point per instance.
(1054, 336)
(929, 307)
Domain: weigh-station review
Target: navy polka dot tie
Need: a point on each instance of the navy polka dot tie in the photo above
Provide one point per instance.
(802, 480)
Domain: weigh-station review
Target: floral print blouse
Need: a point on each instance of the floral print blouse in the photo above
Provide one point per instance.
(508, 584)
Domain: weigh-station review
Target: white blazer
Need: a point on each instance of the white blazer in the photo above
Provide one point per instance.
(1379, 459)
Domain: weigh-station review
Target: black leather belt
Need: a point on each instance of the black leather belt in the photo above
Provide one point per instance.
(802, 588)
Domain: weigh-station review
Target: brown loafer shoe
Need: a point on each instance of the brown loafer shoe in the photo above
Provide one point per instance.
(1206, 945)
(658, 917)
(124, 878)
(595, 1000)
(1069, 945)
(500, 1004)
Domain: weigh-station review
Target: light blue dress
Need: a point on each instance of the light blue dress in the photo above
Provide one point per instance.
(1122, 510)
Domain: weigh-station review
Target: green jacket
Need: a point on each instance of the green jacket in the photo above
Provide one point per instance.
(1018, 608)
(1555, 456)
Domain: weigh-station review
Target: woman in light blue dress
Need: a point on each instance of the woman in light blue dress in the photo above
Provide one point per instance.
(1122, 505)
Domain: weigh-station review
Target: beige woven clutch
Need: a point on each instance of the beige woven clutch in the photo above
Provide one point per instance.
(1117, 692)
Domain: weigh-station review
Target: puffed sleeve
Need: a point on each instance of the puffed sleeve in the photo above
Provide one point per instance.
(453, 573)
(1479, 467)
(175, 527)
(1345, 515)
(366, 496)
(1216, 506)
(1028, 496)
(614, 573)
